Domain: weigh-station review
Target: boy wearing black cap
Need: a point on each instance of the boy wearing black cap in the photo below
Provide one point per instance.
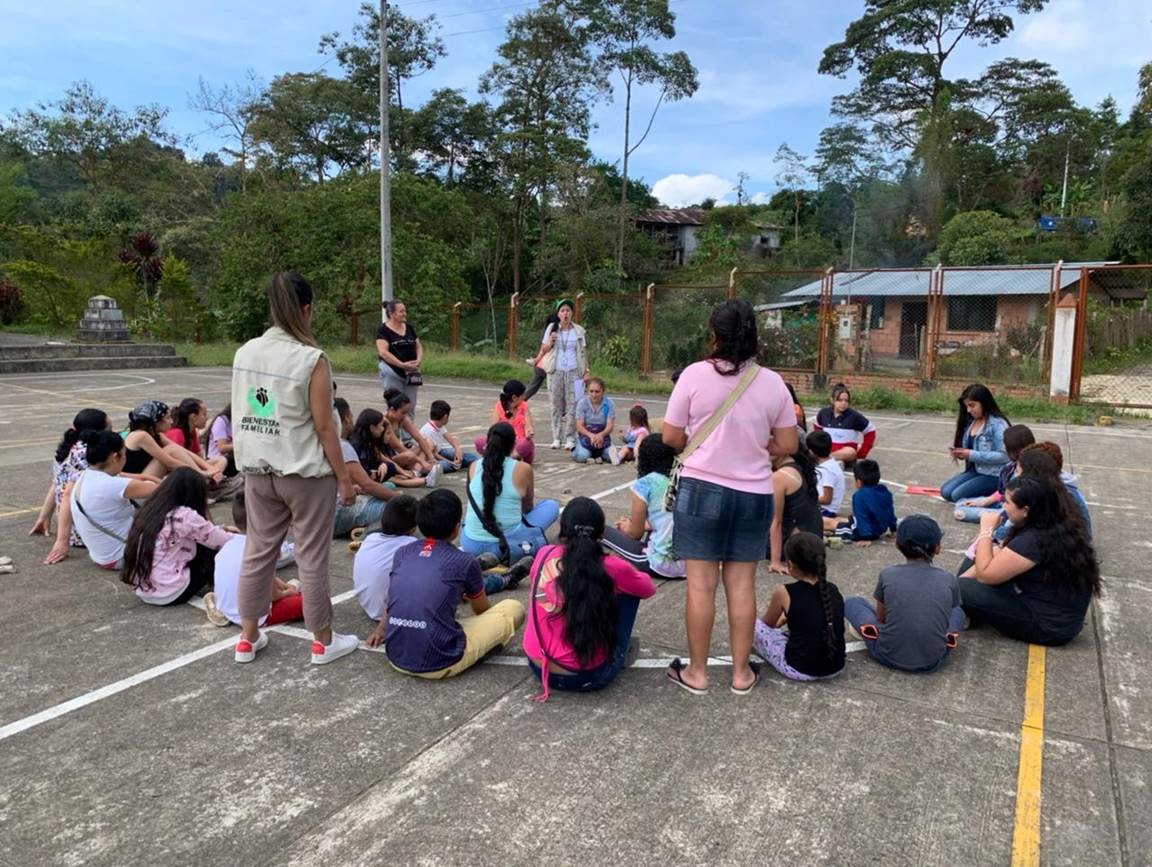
(917, 613)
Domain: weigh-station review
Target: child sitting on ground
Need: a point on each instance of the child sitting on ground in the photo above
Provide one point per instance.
(511, 406)
(372, 567)
(422, 635)
(853, 436)
(634, 434)
(1016, 439)
(829, 478)
(169, 555)
(644, 537)
(812, 608)
(872, 511)
(447, 447)
(222, 605)
(917, 613)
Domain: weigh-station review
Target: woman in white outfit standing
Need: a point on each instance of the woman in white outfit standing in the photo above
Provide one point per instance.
(566, 362)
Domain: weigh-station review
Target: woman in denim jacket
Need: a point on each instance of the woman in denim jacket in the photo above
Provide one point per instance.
(979, 442)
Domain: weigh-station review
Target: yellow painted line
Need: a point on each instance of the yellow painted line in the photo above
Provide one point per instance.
(19, 512)
(1026, 836)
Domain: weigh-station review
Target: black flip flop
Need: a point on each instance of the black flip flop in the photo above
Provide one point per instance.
(755, 666)
(674, 673)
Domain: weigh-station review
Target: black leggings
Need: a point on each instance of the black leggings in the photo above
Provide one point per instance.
(201, 575)
(629, 550)
(1003, 607)
(538, 379)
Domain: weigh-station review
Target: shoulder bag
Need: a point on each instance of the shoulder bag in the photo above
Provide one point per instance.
(704, 431)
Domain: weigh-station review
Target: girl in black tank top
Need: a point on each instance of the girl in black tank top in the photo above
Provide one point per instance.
(797, 503)
(812, 609)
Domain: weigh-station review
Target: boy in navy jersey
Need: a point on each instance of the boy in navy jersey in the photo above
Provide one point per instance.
(872, 511)
(429, 579)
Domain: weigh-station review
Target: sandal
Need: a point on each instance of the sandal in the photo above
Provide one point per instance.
(755, 666)
(674, 672)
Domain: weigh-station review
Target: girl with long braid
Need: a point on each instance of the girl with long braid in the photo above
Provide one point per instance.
(583, 606)
(503, 516)
(812, 608)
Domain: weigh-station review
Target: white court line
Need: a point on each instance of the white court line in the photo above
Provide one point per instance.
(111, 689)
(141, 380)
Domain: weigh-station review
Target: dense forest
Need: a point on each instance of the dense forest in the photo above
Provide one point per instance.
(503, 194)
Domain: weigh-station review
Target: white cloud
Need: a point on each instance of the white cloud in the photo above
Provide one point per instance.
(676, 191)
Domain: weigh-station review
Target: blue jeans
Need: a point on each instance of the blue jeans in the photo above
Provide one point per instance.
(968, 485)
(448, 457)
(525, 538)
(858, 611)
(605, 673)
(582, 454)
(365, 512)
(971, 514)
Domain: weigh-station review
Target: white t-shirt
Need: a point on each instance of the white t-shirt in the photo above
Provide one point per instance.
(227, 577)
(830, 475)
(372, 571)
(103, 498)
(435, 434)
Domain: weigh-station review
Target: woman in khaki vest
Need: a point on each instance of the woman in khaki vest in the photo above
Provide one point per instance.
(285, 435)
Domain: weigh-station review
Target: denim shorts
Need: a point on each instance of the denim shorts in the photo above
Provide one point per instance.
(719, 524)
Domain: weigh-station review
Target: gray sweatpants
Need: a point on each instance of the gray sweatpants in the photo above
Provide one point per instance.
(562, 396)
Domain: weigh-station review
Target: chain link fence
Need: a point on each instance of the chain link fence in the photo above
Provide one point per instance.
(1114, 365)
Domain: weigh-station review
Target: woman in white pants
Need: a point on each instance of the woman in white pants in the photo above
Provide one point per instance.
(568, 346)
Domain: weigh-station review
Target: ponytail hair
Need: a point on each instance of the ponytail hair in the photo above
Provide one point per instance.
(102, 444)
(512, 388)
(587, 591)
(501, 442)
(638, 416)
(805, 551)
(85, 420)
(288, 295)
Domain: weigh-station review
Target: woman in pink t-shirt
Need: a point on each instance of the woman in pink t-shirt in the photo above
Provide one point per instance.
(724, 506)
(583, 606)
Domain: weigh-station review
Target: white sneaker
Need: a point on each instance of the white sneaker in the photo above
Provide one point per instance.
(614, 455)
(569, 444)
(555, 444)
(341, 645)
(433, 475)
(246, 650)
(215, 616)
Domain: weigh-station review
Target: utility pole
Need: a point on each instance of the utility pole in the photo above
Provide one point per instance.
(852, 246)
(385, 159)
(1064, 187)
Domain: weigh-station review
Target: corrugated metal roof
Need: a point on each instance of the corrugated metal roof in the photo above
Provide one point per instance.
(983, 281)
(673, 216)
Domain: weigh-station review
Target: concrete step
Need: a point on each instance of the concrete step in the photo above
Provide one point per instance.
(87, 350)
(50, 365)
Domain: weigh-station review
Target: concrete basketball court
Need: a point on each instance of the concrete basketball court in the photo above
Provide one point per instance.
(129, 736)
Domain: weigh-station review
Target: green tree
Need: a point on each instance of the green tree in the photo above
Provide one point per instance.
(546, 80)
(793, 174)
(976, 238)
(413, 49)
(312, 122)
(454, 139)
(623, 32)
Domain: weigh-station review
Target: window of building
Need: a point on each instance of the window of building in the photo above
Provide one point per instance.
(972, 313)
(876, 315)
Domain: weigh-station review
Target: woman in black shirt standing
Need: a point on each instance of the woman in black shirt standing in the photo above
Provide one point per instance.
(399, 351)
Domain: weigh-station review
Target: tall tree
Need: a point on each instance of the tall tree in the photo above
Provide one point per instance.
(413, 49)
(87, 132)
(454, 138)
(313, 122)
(900, 49)
(792, 176)
(546, 80)
(623, 32)
(230, 109)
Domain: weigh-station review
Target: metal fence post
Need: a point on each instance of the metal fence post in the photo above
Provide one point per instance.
(579, 309)
(513, 325)
(824, 330)
(646, 342)
(1081, 330)
(454, 340)
(732, 282)
(935, 317)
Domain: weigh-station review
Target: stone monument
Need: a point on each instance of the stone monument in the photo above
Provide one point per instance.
(103, 322)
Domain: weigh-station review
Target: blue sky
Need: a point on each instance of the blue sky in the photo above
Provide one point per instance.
(757, 61)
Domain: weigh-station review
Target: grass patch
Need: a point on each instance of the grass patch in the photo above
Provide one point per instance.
(497, 369)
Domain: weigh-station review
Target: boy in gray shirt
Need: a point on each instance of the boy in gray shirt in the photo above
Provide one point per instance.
(917, 614)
